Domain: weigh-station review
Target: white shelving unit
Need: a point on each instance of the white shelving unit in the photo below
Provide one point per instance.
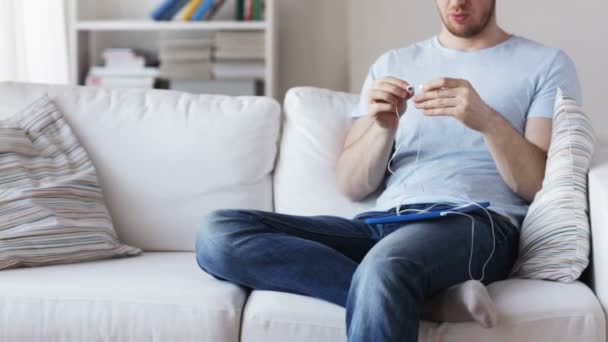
(93, 24)
(145, 25)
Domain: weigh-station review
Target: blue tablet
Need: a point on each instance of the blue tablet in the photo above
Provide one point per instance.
(432, 213)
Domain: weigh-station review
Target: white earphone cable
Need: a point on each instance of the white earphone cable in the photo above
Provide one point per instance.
(447, 212)
(483, 268)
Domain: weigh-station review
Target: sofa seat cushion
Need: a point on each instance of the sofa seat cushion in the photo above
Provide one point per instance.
(530, 310)
(154, 297)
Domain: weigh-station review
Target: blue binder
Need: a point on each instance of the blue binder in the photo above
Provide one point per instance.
(168, 9)
(202, 10)
(436, 212)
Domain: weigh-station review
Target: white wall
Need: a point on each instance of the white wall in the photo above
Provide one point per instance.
(577, 27)
(376, 27)
(313, 44)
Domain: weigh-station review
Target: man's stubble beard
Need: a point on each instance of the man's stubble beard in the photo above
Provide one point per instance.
(473, 30)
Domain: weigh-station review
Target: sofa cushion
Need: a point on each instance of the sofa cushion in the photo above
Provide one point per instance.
(555, 236)
(52, 209)
(154, 297)
(165, 159)
(530, 310)
(315, 127)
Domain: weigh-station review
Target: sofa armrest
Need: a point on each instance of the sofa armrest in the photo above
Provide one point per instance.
(598, 206)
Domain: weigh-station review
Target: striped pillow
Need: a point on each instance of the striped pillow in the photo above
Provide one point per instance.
(51, 206)
(555, 239)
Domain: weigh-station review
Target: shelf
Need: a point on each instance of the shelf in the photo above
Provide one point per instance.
(96, 25)
(149, 25)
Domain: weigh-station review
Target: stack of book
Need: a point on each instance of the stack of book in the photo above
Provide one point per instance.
(122, 68)
(185, 59)
(239, 55)
(189, 10)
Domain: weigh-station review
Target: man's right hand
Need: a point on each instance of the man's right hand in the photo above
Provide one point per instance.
(385, 97)
(367, 149)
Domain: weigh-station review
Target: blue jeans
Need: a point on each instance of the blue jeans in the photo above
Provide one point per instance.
(379, 273)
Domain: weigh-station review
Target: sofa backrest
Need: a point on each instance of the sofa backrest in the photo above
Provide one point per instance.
(315, 127)
(165, 159)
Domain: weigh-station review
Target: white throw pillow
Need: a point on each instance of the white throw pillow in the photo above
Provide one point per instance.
(555, 238)
(315, 127)
(51, 205)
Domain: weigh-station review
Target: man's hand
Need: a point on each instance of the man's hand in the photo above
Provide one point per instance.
(520, 162)
(367, 149)
(385, 97)
(456, 98)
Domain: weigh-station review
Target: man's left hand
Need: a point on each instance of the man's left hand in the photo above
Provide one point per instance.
(456, 98)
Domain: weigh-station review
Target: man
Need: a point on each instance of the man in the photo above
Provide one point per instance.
(477, 131)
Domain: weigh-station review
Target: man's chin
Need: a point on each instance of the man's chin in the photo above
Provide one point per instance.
(464, 32)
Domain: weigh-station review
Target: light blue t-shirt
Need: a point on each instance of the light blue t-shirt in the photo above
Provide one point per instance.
(519, 78)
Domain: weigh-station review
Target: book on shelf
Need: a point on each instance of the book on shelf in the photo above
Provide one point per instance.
(247, 15)
(122, 71)
(159, 12)
(120, 82)
(238, 54)
(248, 10)
(217, 5)
(185, 49)
(239, 38)
(239, 45)
(122, 58)
(239, 70)
(202, 10)
(186, 43)
(240, 10)
(202, 55)
(258, 9)
(219, 87)
(185, 58)
(134, 63)
(190, 10)
(185, 71)
(175, 10)
(168, 9)
(122, 68)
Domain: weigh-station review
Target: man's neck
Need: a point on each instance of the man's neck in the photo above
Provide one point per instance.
(491, 36)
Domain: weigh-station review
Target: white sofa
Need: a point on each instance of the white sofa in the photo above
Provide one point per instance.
(165, 159)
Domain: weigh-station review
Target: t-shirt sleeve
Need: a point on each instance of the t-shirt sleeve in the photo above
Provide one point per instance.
(361, 108)
(560, 74)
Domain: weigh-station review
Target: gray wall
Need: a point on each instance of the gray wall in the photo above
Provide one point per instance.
(313, 43)
(577, 27)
